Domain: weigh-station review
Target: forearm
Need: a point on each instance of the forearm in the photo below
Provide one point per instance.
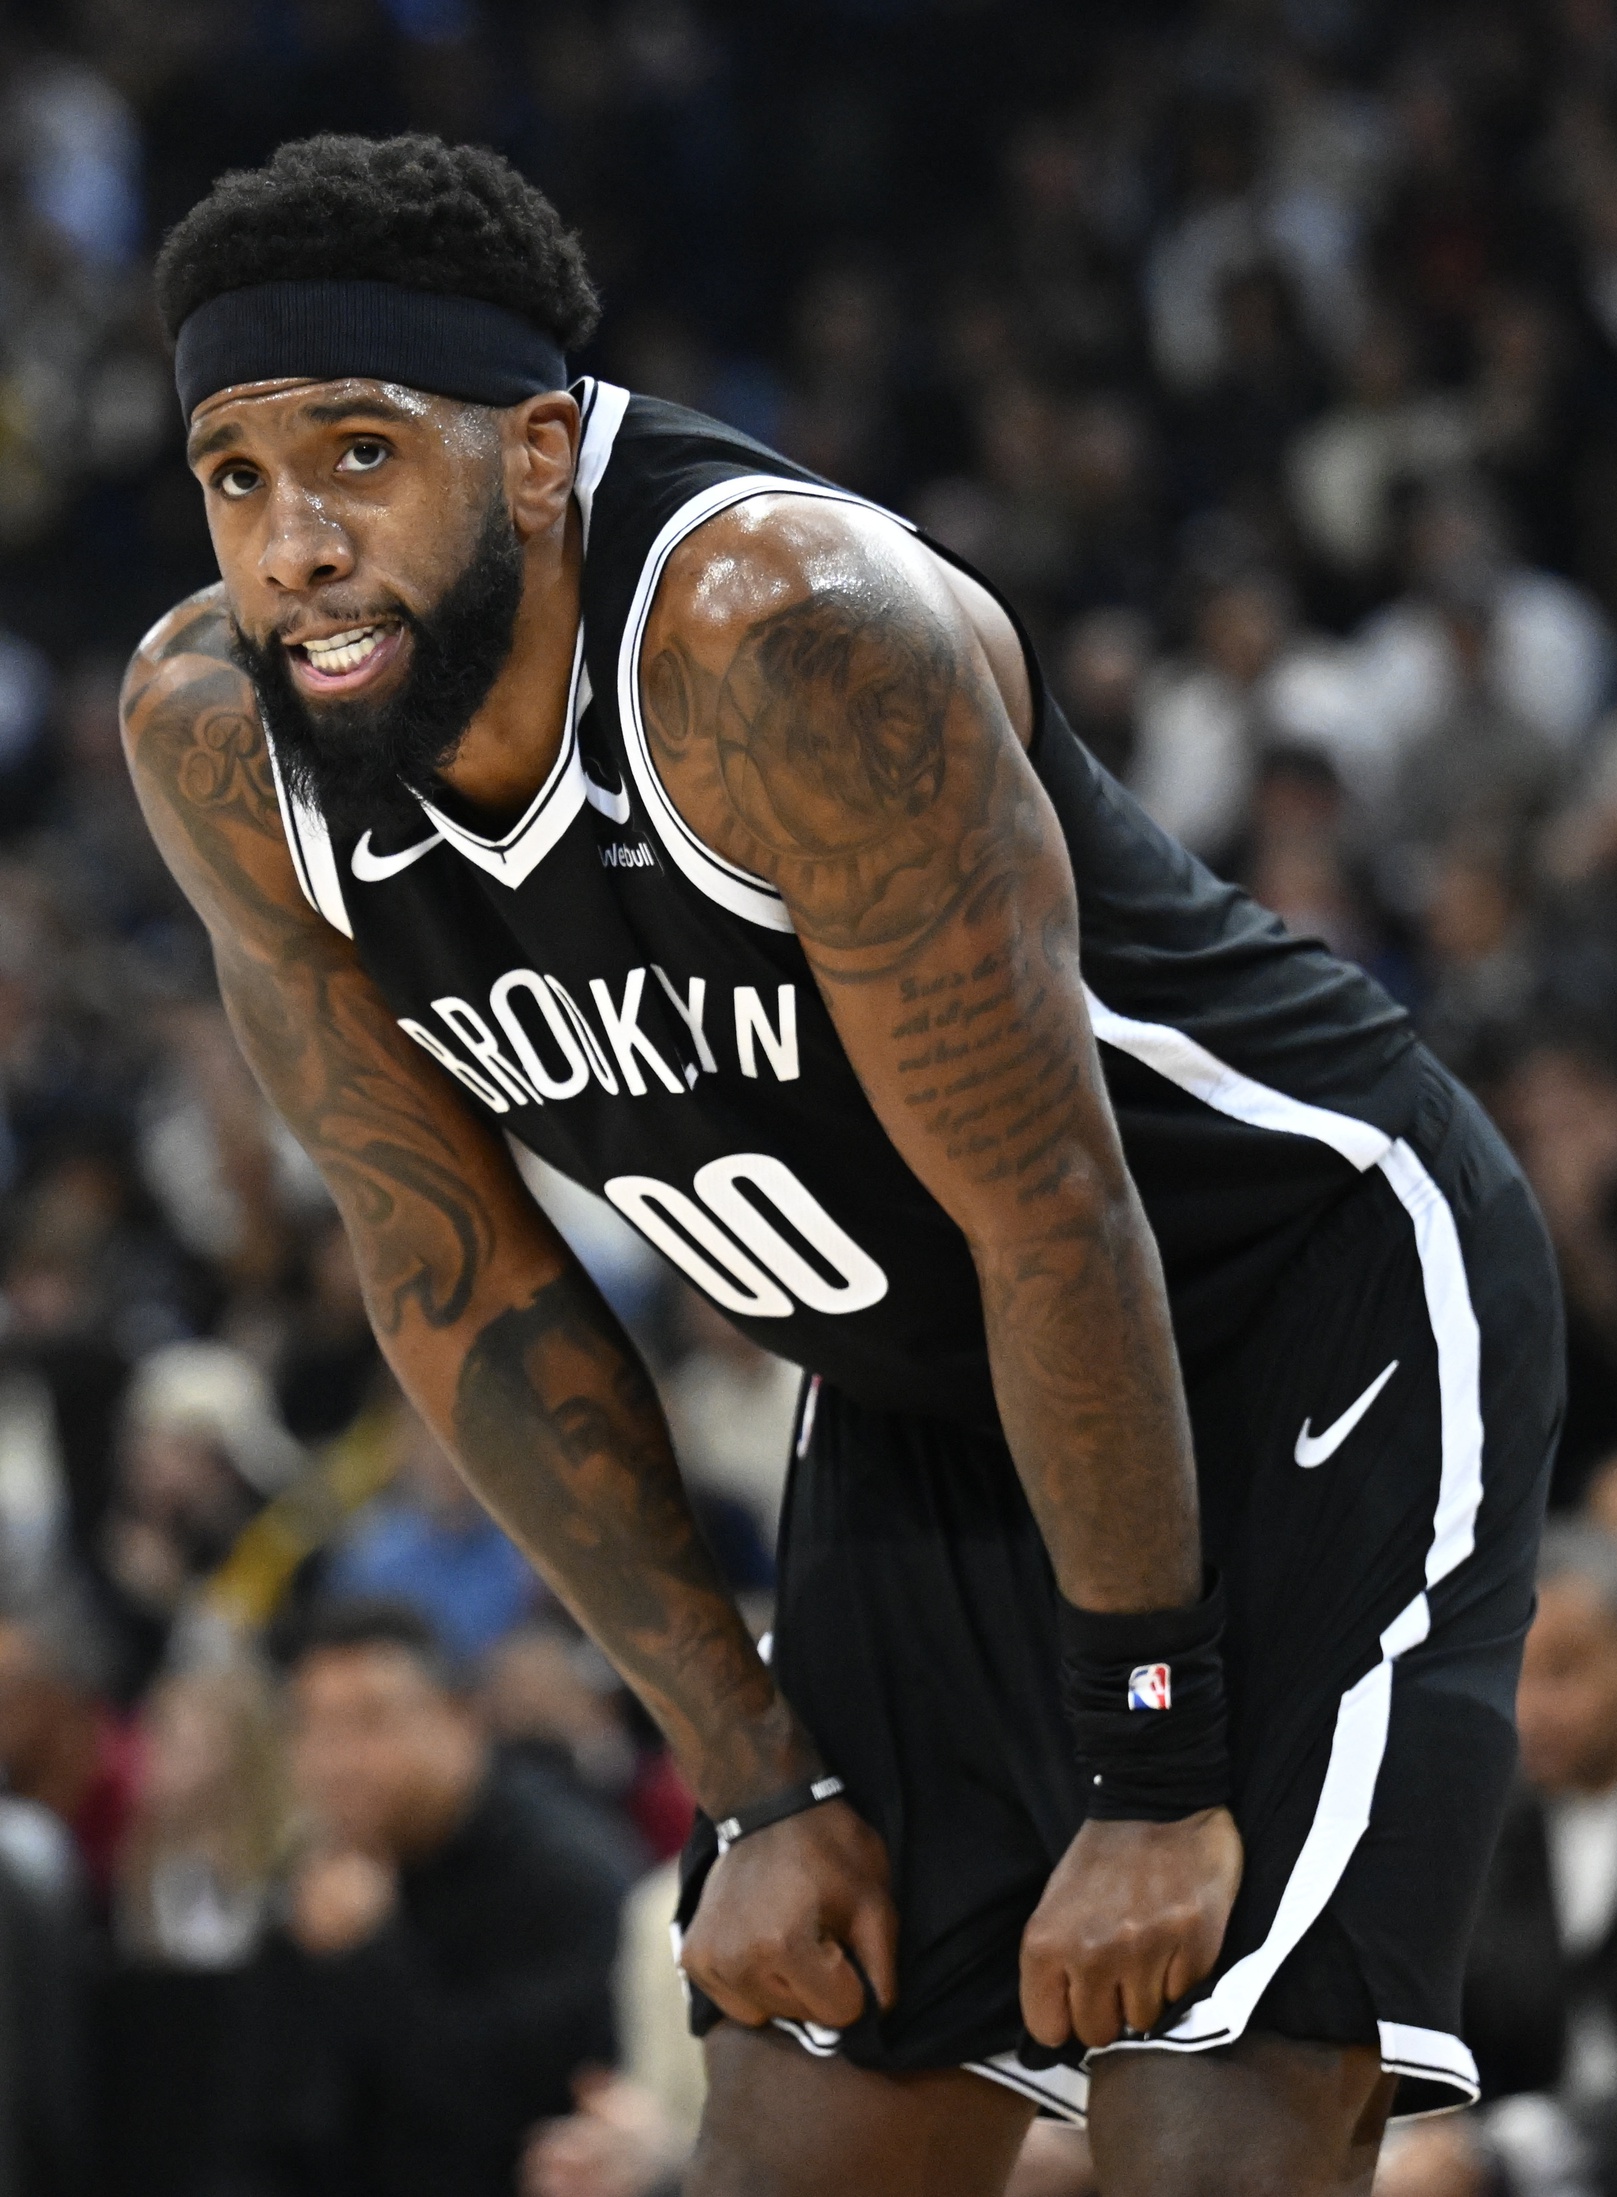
(497, 1337)
(555, 1424)
(1088, 1386)
(508, 1350)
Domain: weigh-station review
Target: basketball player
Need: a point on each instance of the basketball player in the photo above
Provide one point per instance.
(561, 773)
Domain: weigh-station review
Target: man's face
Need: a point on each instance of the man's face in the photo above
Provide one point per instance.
(383, 1757)
(373, 571)
(1567, 1703)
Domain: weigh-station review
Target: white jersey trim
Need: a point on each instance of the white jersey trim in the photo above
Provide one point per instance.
(512, 859)
(309, 844)
(740, 891)
(1179, 1059)
(603, 405)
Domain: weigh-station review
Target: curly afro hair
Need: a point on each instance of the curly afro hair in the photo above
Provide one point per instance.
(452, 218)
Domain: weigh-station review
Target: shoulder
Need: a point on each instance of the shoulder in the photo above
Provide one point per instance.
(826, 593)
(763, 558)
(201, 766)
(789, 621)
(824, 714)
(183, 687)
(185, 643)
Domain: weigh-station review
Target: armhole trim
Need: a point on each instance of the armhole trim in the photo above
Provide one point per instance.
(740, 891)
(309, 844)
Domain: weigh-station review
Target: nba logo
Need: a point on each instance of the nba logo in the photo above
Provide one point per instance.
(1151, 1686)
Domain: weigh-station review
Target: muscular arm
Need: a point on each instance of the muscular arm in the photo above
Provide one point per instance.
(824, 714)
(492, 1328)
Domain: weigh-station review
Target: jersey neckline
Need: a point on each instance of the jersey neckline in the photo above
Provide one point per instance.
(517, 853)
(513, 857)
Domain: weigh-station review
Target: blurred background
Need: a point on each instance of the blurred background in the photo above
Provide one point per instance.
(1265, 353)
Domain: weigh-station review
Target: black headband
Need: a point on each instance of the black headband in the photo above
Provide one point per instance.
(377, 331)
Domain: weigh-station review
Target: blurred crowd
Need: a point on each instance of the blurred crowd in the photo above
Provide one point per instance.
(1265, 353)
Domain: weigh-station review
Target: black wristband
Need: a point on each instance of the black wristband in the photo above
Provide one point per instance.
(1144, 1696)
(793, 1802)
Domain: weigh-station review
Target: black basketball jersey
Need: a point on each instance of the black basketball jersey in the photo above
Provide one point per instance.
(636, 1010)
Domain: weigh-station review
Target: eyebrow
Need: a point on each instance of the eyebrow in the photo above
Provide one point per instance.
(330, 414)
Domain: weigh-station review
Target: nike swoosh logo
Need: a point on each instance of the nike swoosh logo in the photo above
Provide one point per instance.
(370, 868)
(1313, 1449)
(615, 805)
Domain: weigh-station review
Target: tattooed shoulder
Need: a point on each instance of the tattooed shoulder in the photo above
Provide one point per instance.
(821, 715)
(200, 763)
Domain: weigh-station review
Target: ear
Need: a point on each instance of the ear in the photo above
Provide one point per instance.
(540, 440)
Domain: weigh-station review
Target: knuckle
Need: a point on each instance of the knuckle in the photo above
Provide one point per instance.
(1041, 1948)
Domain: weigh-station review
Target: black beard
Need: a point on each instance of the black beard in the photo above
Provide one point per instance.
(356, 762)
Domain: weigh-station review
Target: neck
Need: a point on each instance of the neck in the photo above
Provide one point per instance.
(511, 745)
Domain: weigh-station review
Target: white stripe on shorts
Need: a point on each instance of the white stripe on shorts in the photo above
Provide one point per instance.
(1343, 1812)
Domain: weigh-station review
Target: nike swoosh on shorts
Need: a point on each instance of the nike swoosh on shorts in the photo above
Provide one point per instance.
(370, 868)
(1313, 1449)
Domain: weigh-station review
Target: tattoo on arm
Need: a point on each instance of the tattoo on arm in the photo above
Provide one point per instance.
(850, 748)
(553, 1418)
(572, 1454)
(839, 755)
(313, 1028)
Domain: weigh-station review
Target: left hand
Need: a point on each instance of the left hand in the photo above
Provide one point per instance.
(1132, 1918)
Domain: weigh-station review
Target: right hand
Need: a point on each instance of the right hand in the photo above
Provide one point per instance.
(781, 1911)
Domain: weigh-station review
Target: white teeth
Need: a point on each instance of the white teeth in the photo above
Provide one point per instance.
(343, 651)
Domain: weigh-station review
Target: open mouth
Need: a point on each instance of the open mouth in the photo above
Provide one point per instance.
(338, 662)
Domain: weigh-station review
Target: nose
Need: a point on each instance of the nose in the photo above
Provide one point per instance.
(304, 545)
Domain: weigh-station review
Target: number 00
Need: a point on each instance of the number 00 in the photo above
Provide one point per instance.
(742, 1192)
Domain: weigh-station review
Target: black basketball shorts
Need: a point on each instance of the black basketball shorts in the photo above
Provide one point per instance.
(1372, 1459)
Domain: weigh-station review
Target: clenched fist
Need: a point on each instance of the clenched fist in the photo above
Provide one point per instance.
(1133, 1916)
(780, 1913)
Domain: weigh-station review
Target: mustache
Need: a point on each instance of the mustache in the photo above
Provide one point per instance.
(330, 617)
(356, 757)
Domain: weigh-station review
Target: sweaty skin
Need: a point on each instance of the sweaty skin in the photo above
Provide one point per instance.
(834, 710)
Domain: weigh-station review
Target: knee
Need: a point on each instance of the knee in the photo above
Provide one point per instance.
(1264, 2119)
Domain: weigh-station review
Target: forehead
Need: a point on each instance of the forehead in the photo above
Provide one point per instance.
(269, 411)
(374, 1671)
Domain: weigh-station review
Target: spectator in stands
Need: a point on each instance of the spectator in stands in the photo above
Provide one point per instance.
(328, 1366)
(1204, 722)
(203, 1449)
(732, 1408)
(552, 1702)
(1096, 671)
(46, 1971)
(211, 1829)
(62, 1746)
(444, 1969)
(429, 1542)
(1541, 1992)
(1477, 622)
(1559, 1108)
(199, 1865)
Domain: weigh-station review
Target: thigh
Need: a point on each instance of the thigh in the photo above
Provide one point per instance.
(1265, 2117)
(781, 2123)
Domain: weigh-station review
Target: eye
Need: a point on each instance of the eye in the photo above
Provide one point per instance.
(236, 481)
(363, 456)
